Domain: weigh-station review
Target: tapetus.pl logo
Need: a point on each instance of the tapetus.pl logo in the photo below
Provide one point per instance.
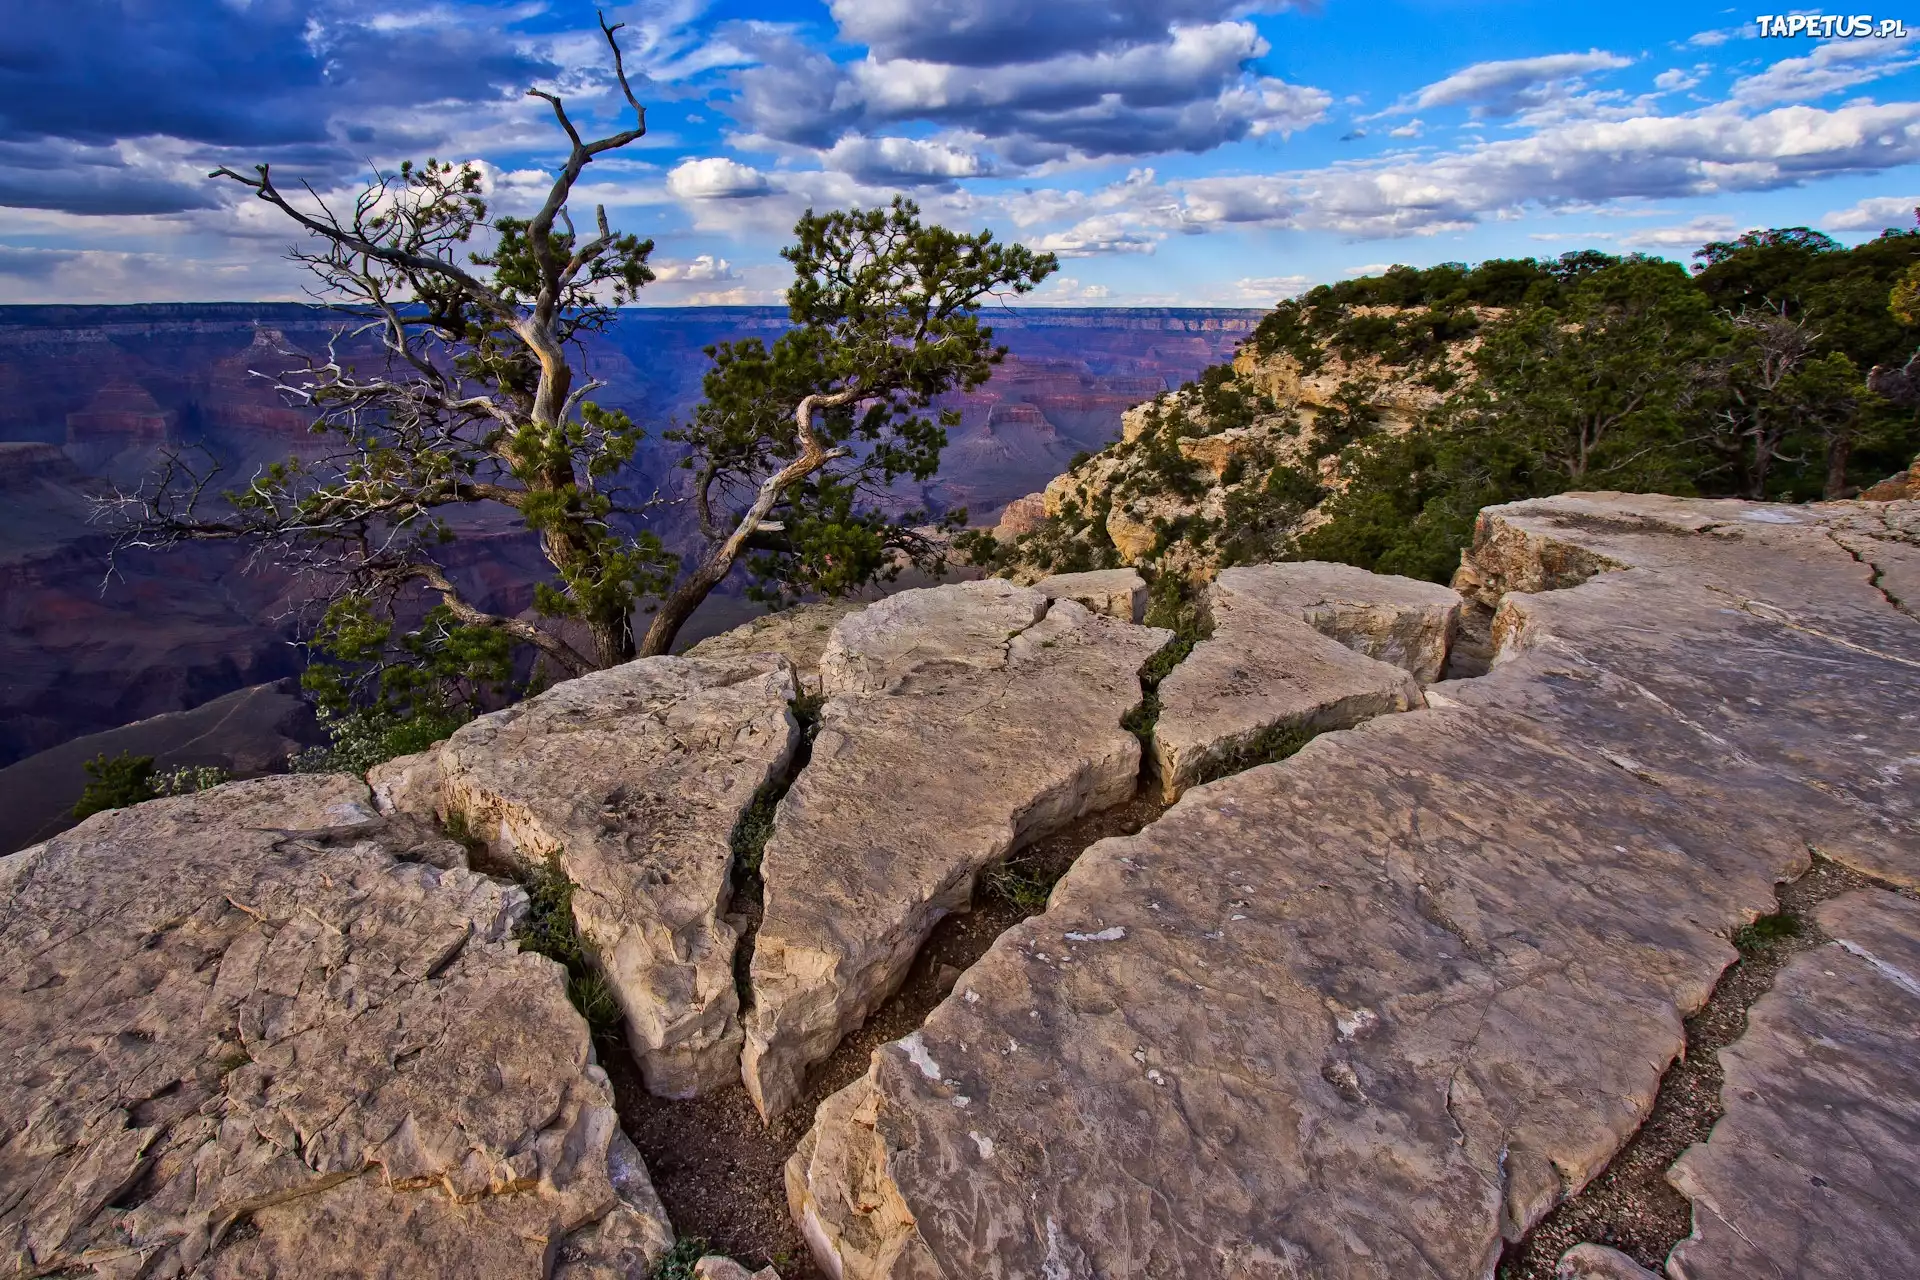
(1830, 26)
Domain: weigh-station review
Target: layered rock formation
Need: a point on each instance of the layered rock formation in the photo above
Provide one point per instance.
(1372, 1011)
(963, 722)
(245, 1036)
(633, 780)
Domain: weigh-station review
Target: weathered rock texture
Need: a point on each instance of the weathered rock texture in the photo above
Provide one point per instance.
(1289, 652)
(1404, 622)
(242, 1039)
(634, 778)
(1813, 1173)
(1118, 593)
(800, 634)
(967, 720)
(1370, 1011)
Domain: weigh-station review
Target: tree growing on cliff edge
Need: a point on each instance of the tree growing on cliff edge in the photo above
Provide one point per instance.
(481, 402)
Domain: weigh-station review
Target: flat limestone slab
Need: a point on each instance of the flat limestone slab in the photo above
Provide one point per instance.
(239, 1007)
(1813, 1173)
(1265, 669)
(1374, 1010)
(635, 778)
(1403, 622)
(1118, 593)
(956, 743)
(800, 634)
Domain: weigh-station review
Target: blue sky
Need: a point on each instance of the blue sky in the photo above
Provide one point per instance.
(1173, 152)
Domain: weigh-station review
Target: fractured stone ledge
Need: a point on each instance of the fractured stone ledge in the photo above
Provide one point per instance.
(634, 778)
(1296, 648)
(1372, 1011)
(967, 721)
(277, 1022)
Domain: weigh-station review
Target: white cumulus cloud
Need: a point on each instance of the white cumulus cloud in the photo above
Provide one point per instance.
(716, 178)
(1874, 214)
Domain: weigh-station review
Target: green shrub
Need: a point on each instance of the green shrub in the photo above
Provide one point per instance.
(188, 778)
(678, 1262)
(549, 930)
(361, 738)
(115, 783)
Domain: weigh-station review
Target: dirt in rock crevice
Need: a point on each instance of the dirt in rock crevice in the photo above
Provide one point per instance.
(720, 1172)
(1631, 1206)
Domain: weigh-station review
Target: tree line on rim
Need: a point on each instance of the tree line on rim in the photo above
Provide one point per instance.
(1781, 369)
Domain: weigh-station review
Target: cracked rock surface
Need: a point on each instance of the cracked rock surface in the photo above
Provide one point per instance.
(1118, 593)
(800, 634)
(1373, 1010)
(1296, 647)
(1813, 1172)
(965, 721)
(242, 1038)
(634, 778)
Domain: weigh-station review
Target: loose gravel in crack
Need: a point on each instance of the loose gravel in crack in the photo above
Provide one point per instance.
(1631, 1206)
(721, 1173)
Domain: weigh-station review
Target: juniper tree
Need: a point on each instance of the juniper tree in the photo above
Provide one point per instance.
(480, 399)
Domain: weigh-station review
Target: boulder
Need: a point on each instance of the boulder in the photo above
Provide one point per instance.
(1405, 622)
(1813, 1171)
(1117, 593)
(242, 1038)
(718, 1267)
(1374, 1010)
(966, 721)
(798, 634)
(1266, 674)
(634, 778)
(1597, 1262)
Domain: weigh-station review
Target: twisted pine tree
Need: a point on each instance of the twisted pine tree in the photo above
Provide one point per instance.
(480, 399)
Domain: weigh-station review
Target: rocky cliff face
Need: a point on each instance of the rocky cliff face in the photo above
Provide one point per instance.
(1395, 979)
(1226, 468)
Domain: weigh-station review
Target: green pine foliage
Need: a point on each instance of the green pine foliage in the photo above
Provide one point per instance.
(1746, 377)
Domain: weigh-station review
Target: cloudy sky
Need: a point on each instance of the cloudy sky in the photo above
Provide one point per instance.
(1198, 152)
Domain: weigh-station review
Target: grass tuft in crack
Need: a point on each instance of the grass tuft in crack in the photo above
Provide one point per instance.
(1271, 744)
(549, 930)
(1175, 604)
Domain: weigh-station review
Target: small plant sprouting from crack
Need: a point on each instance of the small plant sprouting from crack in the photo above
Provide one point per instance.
(549, 930)
(1174, 605)
(1767, 932)
(677, 1263)
(1271, 744)
(1021, 884)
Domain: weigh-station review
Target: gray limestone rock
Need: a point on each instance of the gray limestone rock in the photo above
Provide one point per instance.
(1374, 1010)
(1404, 622)
(635, 778)
(800, 634)
(1813, 1172)
(239, 1006)
(1118, 593)
(968, 720)
(1597, 1262)
(1265, 673)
